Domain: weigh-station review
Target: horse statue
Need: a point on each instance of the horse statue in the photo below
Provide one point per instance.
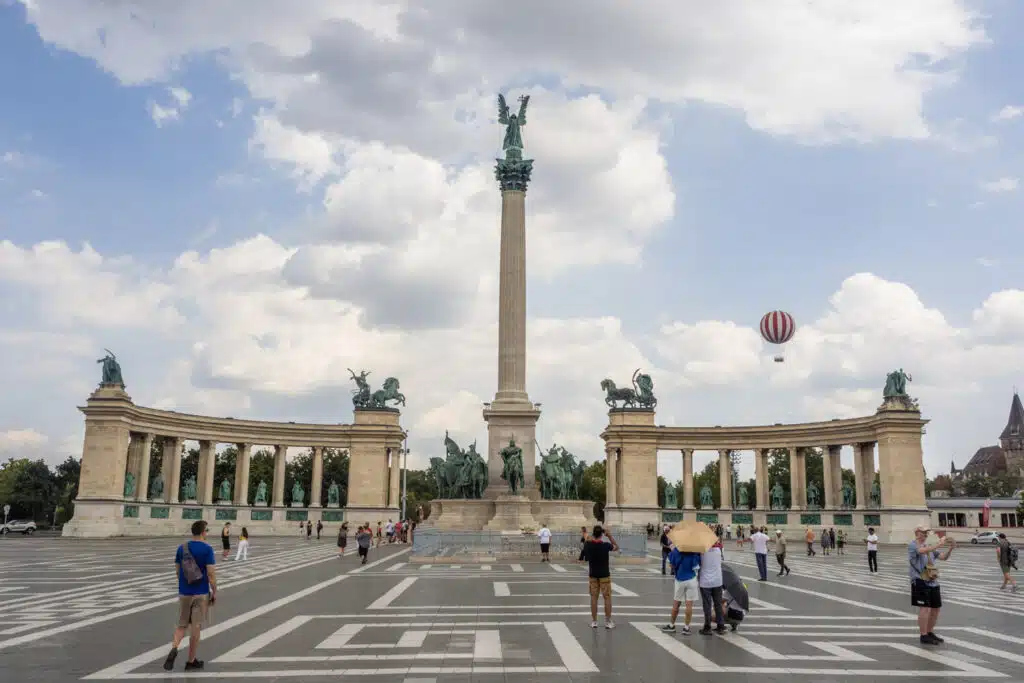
(439, 474)
(614, 394)
(390, 392)
(569, 466)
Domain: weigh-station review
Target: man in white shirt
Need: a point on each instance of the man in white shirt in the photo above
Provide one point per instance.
(710, 580)
(759, 539)
(872, 541)
(545, 543)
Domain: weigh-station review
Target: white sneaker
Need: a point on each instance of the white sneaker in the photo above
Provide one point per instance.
(593, 624)
(685, 630)
(609, 625)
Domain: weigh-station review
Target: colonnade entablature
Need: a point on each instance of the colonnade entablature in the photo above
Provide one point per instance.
(114, 492)
(633, 439)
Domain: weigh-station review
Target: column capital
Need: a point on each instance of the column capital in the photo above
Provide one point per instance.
(513, 174)
(687, 451)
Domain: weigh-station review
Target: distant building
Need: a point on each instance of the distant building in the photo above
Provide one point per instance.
(1006, 458)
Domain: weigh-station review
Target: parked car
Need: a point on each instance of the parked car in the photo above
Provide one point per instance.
(23, 526)
(985, 537)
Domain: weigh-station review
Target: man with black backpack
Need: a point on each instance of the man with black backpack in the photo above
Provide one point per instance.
(1006, 554)
(197, 590)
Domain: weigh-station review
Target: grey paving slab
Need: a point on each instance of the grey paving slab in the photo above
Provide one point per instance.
(295, 611)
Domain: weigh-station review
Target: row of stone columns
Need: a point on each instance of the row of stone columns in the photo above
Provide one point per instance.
(864, 472)
(170, 469)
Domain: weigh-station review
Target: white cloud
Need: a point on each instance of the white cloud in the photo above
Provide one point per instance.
(21, 443)
(1004, 184)
(179, 101)
(1008, 113)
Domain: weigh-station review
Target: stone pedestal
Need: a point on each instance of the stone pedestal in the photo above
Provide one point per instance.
(505, 421)
(298, 505)
(224, 503)
(512, 513)
(260, 505)
(192, 502)
(333, 506)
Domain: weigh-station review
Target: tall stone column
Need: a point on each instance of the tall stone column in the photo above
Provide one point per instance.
(795, 481)
(761, 477)
(724, 480)
(829, 495)
(142, 483)
(512, 415)
(207, 462)
(864, 471)
(835, 455)
(610, 497)
(242, 473)
(280, 452)
(170, 469)
(317, 485)
(395, 482)
(688, 479)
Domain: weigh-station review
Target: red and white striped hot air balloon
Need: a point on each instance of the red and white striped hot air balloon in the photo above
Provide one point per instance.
(777, 327)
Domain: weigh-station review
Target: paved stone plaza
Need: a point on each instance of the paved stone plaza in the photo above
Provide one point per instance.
(104, 610)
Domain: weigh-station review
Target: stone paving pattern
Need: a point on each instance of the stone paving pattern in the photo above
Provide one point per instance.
(105, 610)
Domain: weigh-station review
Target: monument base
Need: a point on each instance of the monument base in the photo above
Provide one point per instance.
(508, 513)
(333, 506)
(297, 505)
(258, 504)
(512, 513)
(224, 503)
(356, 515)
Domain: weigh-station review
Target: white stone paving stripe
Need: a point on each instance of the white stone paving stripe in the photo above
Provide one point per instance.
(574, 657)
(677, 648)
(396, 567)
(393, 594)
(335, 673)
(517, 567)
(486, 646)
(985, 650)
(341, 637)
(501, 589)
(558, 567)
(827, 596)
(250, 647)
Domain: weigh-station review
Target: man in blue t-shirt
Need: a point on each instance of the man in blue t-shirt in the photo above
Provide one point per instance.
(685, 567)
(195, 595)
(924, 582)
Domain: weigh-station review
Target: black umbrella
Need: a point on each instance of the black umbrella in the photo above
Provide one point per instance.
(732, 582)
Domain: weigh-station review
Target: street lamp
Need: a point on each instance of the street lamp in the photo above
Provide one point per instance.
(405, 473)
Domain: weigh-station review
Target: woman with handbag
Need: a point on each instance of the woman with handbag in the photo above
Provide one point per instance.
(924, 581)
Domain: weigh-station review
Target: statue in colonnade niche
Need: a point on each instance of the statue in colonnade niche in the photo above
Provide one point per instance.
(188, 489)
(261, 493)
(156, 490)
(225, 490)
(778, 497)
(848, 496)
(333, 495)
(744, 496)
(813, 496)
(876, 494)
(129, 485)
(706, 497)
(298, 494)
(671, 499)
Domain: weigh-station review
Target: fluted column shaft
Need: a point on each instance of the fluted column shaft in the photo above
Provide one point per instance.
(512, 299)
(395, 484)
(142, 484)
(761, 477)
(864, 471)
(317, 485)
(207, 462)
(610, 496)
(795, 478)
(170, 469)
(687, 478)
(242, 473)
(280, 452)
(826, 464)
(724, 480)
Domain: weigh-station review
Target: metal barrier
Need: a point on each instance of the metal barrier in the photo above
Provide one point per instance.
(564, 545)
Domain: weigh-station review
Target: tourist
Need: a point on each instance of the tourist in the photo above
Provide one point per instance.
(666, 548)
(759, 540)
(363, 539)
(302, 529)
(319, 528)
(728, 532)
(841, 541)
(545, 543)
(710, 581)
(734, 612)
(780, 552)
(809, 538)
(1005, 556)
(598, 554)
(686, 590)
(739, 537)
(399, 527)
(924, 581)
(343, 538)
(243, 545)
(583, 545)
(832, 538)
(225, 539)
(825, 542)
(197, 590)
(872, 543)
(389, 531)
(380, 533)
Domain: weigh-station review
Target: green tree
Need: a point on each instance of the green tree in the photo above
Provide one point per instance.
(1020, 506)
(9, 473)
(156, 459)
(224, 468)
(336, 470)
(778, 471)
(35, 491)
(261, 468)
(595, 486)
(66, 482)
(299, 468)
(189, 466)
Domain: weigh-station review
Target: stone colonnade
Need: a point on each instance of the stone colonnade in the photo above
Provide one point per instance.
(119, 436)
(632, 442)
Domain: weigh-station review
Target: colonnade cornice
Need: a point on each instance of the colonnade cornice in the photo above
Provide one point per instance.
(187, 426)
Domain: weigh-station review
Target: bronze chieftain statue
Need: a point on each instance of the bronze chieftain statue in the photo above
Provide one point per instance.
(111, 375)
(512, 466)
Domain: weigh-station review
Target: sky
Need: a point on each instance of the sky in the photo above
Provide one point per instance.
(243, 199)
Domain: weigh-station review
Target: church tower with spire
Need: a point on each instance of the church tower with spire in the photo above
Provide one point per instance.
(1012, 438)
